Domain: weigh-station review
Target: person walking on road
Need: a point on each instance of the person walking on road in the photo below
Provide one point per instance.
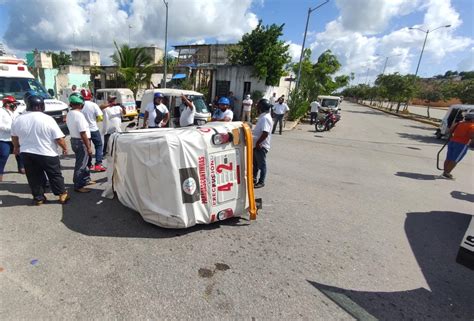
(7, 115)
(35, 138)
(223, 113)
(280, 109)
(261, 142)
(462, 136)
(247, 109)
(80, 143)
(187, 115)
(112, 119)
(156, 113)
(314, 111)
(92, 113)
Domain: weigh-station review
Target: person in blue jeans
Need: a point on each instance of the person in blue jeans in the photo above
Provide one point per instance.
(7, 115)
(80, 143)
(261, 142)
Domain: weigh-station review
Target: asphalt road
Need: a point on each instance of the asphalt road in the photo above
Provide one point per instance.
(356, 224)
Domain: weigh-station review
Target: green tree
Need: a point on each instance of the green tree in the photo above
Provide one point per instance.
(134, 65)
(60, 59)
(465, 91)
(262, 49)
(397, 88)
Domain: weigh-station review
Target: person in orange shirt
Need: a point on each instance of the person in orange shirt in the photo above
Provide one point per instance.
(462, 136)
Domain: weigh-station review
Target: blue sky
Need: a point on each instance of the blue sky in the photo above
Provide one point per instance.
(360, 32)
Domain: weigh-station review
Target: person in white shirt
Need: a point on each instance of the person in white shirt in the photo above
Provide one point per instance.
(187, 115)
(35, 137)
(280, 109)
(261, 142)
(7, 115)
(223, 113)
(247, 108)
(314, 111)
(80, 143)
(157, 114)
(92, 113)
(112, 118)
(273, 99)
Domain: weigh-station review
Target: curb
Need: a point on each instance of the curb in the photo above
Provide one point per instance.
(428, 122)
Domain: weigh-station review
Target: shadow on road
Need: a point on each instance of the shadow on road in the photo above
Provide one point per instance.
(434, 238)
(92, 215)
(367, 112)
(432, 129)
(463, 196)
(417, 176)
(430, 139)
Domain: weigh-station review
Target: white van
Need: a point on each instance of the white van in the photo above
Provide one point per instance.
(16, 80)
(454, 112)
(124, 98)
(173, 101)
(331, 102)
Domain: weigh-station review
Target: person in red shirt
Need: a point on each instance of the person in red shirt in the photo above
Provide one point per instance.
(462, 135)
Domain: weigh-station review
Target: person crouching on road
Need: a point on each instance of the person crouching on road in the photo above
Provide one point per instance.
(7, 115)
(92, 113)
(156, 113)
(223, 113)
(188, 113)
(261, 142)
(80, 143)
(113, 112)
(462, 136)
(35, 138)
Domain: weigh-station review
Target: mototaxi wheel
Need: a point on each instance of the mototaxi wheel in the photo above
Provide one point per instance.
(320, 127)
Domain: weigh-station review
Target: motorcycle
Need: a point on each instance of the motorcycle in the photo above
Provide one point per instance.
(328, 122)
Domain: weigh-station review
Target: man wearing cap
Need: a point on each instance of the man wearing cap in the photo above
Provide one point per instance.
(92, 113)
(36, 136)
(156, 113)
(462, 135)
(80, 143)
(247, 108)
(223, 113)
(112, 118)
(7, 115)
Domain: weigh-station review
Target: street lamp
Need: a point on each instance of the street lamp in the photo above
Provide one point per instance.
(166, 44)
(424, 43)
(386, 60)
(310, 10)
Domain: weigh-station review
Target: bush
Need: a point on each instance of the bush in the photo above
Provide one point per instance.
(299, 106)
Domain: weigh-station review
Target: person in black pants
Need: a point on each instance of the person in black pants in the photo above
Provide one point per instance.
(279, 109)
(36, 137)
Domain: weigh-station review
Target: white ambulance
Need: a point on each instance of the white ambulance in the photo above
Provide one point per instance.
(179, 177)
(16, 80)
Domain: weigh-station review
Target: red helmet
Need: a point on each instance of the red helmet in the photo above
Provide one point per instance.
(86, 94)
(9, 100)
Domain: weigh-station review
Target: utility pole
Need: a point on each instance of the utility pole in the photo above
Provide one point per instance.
(166, 45)
(310, 10)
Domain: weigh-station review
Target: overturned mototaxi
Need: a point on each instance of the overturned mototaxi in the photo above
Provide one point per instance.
(180, 177)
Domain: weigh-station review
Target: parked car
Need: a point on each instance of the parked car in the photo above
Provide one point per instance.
(173, 101)
(455, 112)
(124, 98)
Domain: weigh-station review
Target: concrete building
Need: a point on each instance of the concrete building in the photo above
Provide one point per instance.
(43, 60)
(216, 54)
(155, 53)
(85, 58)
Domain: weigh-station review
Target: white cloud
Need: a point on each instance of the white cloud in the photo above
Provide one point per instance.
(294, 51)
(467, 64)
(65, 24)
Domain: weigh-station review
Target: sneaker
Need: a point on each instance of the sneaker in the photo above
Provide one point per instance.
(82, 190)
(92, 168)
(40, 202)
(447, 175)
(64, 197)
(99, 168)
(91, 183)
(259, 185)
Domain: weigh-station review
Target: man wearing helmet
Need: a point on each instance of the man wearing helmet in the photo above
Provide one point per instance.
(223, 113)
(92, 113)
(7, 115)
(156, 113)
(462, 135)
(36, 137)
(261, 142)
(80, 143)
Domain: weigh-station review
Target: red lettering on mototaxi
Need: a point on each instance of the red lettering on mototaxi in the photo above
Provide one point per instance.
(213, 182)
(205, 129)
(202, 178)
(222, 167)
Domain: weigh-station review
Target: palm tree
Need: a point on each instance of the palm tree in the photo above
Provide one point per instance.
(134, 65)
